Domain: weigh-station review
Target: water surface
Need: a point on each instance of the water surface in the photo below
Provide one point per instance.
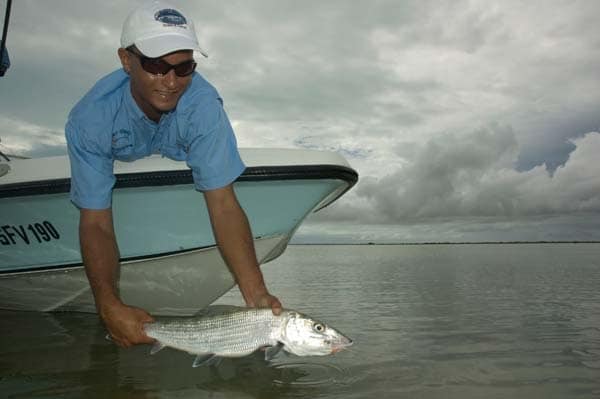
(429, 321)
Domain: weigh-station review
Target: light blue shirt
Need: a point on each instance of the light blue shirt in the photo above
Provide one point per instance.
(107, 124)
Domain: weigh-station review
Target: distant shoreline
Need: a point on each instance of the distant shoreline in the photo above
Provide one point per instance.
(454, 243)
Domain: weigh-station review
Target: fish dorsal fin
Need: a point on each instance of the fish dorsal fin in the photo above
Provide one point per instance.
(156, 347)
(205, 360)
(216, 310)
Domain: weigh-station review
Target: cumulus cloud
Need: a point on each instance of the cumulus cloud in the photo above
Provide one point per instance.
(473, 175)
(30, 140)
(398, 88)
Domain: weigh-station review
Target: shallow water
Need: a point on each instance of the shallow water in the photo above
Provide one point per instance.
(429, 321)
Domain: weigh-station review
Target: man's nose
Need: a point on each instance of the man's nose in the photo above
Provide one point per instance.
(170, 79)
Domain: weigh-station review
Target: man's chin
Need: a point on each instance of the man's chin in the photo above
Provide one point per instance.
(165, 107)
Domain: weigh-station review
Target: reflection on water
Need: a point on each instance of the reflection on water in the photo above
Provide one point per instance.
(66, 355)
(427, 321)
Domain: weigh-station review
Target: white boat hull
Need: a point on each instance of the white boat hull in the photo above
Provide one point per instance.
(169, 262)
(179, 284)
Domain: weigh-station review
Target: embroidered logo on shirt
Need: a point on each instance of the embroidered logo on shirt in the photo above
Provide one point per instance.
(170, 17)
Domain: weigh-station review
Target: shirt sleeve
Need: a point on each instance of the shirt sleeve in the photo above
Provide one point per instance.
(213, 155)
(92, 177)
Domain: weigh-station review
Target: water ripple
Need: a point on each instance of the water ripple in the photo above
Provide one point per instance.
(310, 374)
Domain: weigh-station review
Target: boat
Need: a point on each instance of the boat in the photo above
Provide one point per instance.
(170, 264)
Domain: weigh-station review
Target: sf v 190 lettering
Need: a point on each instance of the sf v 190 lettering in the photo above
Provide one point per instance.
(28, 234)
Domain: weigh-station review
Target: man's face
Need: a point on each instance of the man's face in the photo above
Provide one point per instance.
(156, 94)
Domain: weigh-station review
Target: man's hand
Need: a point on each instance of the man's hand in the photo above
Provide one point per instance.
(234, 237)
(100, 254)
(125, 324)
(266, 300)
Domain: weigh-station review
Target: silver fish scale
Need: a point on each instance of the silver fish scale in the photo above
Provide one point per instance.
(231, 334)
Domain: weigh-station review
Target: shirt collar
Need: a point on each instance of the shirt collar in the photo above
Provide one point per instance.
(133, 109)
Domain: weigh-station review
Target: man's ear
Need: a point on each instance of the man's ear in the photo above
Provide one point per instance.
(124, 56)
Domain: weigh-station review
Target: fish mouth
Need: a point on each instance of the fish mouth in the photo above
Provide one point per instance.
(341, 345)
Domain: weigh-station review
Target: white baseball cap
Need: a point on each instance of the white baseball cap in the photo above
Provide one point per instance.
(158, 28)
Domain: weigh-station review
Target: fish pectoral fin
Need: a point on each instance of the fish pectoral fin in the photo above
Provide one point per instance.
(272, 351)
(207, 359)
(156, 347)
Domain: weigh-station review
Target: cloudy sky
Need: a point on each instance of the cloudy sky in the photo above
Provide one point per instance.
(466, 120)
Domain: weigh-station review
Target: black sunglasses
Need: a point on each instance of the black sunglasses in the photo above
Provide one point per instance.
(157, 66)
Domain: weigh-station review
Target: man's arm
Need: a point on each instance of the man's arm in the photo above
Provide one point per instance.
(101, 259)
(234, 238)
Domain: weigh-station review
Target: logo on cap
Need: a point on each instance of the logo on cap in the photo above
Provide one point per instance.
(170, 17)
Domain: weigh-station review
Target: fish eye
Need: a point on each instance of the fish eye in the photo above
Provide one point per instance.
(318, 327)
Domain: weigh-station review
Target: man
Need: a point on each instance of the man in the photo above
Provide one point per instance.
(155, 104)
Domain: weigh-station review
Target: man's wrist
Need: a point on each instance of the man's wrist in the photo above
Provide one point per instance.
(106, 304)
(252, 295)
